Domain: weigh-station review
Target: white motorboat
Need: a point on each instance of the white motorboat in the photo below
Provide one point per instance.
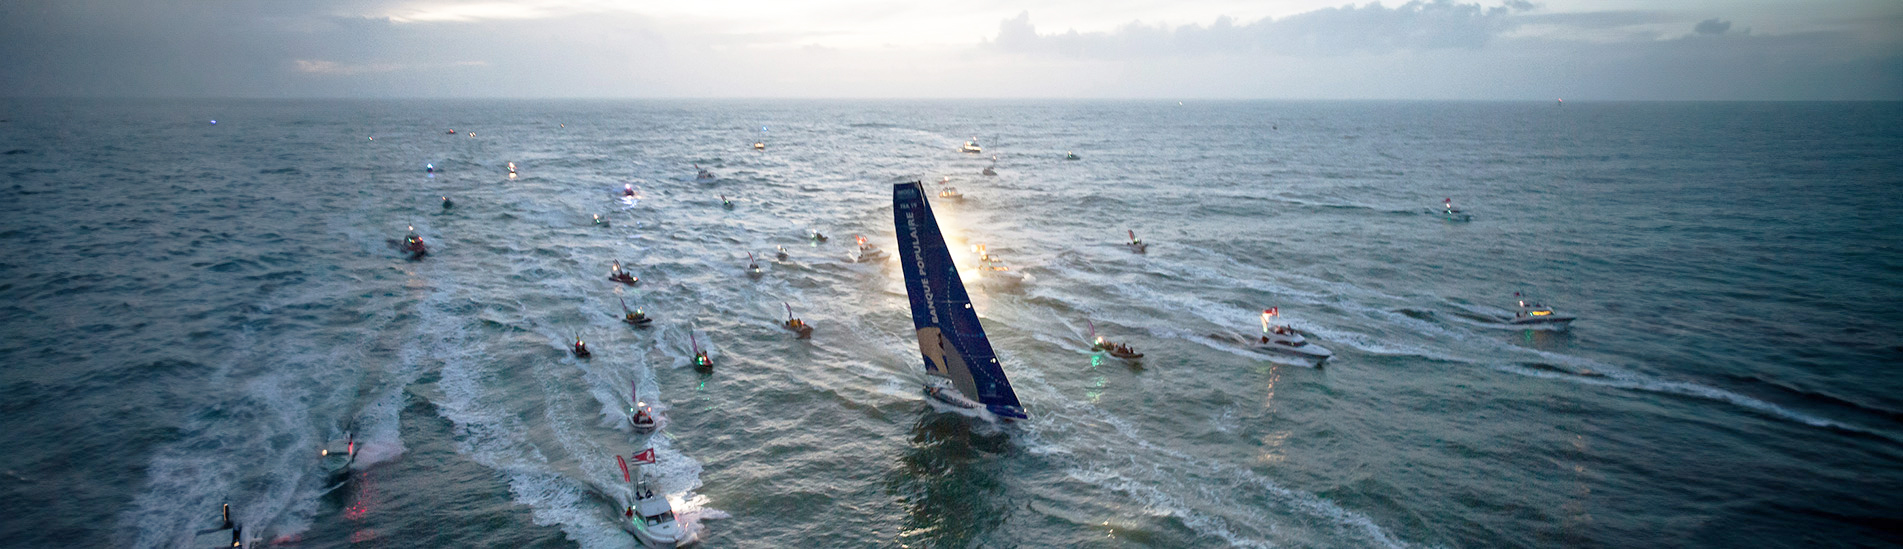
(651, 518)
(993, 272)
(866, 252)
(971, 147)
(781, 255)
(951, 193)
(1534, 314)
(1281, 338)
(759, 145)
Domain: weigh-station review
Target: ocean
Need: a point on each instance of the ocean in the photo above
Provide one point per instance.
(193, 310)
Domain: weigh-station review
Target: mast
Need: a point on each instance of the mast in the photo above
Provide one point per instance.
(952, 343)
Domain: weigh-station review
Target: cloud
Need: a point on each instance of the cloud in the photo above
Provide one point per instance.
(1417, 25)
(1712, 26)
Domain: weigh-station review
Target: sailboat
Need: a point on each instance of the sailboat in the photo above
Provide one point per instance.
(958, 357)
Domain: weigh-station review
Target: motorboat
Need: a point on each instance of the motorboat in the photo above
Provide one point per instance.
(447, 204)
(337, 459)
(817, 237)
(636, 317)
(992, 271)
(1072, 156)
(412, 245)
(798, 326)
(951, 193)
(971, 147)
(1136, 245)
(963, 369)
(650, 517)
(1535, 314)
(1119, 350)
(600, 221)
(430, 168)
(753, 267)
(580, 349)
(704, 175)
(627, 190)
(759, 145)
(780, 254)
(701, 360)
(989, 171)
(725, 203)
(617, 274)
(1454, 214)
(640, 417)
(511, 169)
(866, 252)
(1281, 338)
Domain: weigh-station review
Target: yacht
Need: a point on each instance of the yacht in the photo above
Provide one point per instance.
(1281, 338)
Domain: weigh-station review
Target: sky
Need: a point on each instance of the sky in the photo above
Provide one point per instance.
(1181, 49)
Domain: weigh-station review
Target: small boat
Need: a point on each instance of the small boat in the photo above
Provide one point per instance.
(1072, 156)
(650, 517)
(796, 325)
(704, 175)
(1454, 214)
(971, 147)
(452, 131)
(627, 190)
(1135, 245)
(636, 318)
(640, 417)
(992, 271)
(753, 267)
(989, 171)
(600, 221)
(1119, 350)
(781, 255)
(580, 349)
(866, 252)
(1280, 338)
(817, 237)
(1534, 314)
(759, 145)
(511, 169)
(447, 204)
(412, 245)
(337, 460)
(951, 193)
(617, 274)
(724, 203)
(430, 168)
(210, 537)
(701, 360)
(965, 372)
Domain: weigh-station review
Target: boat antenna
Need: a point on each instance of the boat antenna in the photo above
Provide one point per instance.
(634, 392)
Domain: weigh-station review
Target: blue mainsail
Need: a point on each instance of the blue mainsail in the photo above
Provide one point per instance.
(950, 339)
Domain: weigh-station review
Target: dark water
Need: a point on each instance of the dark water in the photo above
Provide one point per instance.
(192, 310)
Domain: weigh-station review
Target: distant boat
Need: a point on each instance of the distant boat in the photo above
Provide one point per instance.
(866, 252)
(1135, 245)
(993, 273)
(1454, 214)
(1072, 156)
(971, 147)
(640, 418)
(798, 326)
(704, 175)
(952, 343)
(1281, 338)
(951, 193)
(759, 145)
(1535, 314)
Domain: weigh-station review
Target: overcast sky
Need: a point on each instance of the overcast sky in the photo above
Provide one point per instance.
(1183, 49)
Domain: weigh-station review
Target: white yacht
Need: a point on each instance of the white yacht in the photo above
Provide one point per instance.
(993, 272)
(651, 518)
(1281, 338)
(951, 193)
(971, 147)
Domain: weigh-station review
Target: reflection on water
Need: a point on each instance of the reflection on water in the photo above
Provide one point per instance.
(948, 481)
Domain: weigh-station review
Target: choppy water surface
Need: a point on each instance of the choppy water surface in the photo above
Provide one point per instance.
(192, 310)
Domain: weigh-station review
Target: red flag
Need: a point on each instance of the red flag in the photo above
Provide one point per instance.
(646, 456)
(624, 469)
